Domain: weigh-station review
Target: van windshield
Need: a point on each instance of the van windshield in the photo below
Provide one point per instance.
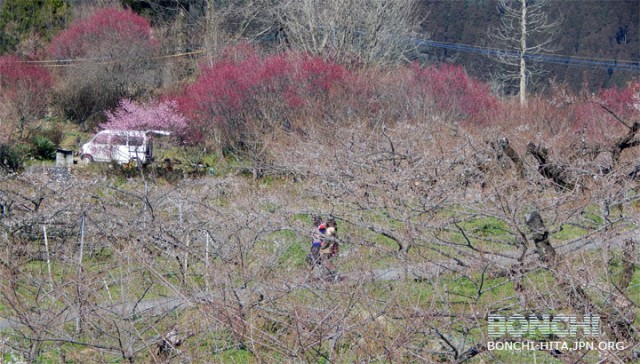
(101, 139)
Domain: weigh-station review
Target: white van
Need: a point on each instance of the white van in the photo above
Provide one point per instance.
(121, 146)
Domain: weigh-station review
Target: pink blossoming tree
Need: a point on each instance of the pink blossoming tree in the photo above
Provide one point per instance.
(158, 115)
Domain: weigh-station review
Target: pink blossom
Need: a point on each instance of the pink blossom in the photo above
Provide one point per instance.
(130, 115)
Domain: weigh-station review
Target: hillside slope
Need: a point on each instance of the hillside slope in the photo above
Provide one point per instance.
(593, 30)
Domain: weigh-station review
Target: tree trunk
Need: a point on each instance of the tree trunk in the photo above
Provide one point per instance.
(541, 238)
(523, 49)
(211, 32)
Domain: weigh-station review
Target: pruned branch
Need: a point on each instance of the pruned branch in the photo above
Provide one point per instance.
(625, 142)
(554, 172)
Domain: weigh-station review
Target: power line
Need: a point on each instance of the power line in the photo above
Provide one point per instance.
(618, 65)
(72, 61)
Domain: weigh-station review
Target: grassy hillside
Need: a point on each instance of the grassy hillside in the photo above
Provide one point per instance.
(434, 239)
(454, 204)
(601, 31)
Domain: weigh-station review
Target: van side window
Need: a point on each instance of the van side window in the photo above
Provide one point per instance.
(102, 139)
(119, 140)
(136, 141)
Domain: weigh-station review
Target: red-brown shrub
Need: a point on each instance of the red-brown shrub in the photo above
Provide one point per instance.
(240, 96)
(110, 56)
(24, 89)
(95, 35)
(452, 91)
(599, 114)
(245, 94)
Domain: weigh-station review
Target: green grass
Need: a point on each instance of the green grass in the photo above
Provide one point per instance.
(220, 348)
(568, 232)
(463, 290)
(11, 358)
(239, 356)
(287, 246)
(485, 227)
(634, 291)
(137, 280)
(294, 255)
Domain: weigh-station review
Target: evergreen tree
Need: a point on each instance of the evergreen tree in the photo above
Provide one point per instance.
(20, 19)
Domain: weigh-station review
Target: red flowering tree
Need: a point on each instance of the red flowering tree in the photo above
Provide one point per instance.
(24, 91)
(158, 115)
(605, 114)
(107, 56)
(452, 91)
(625, 103)
(241, 97)
(99, 35)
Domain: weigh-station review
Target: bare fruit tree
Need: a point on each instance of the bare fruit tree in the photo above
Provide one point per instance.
(373, 31)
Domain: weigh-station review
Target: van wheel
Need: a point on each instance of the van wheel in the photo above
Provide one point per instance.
(86, 159)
